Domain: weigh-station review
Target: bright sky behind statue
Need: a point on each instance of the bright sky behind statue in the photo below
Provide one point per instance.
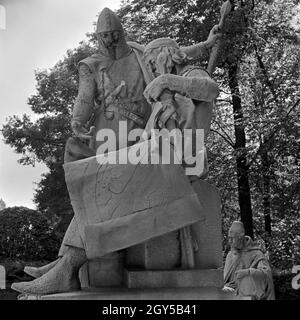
(34, 34)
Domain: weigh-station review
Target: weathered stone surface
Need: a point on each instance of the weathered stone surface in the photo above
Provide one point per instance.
(164, 252)
(37, 272)
(84, 276)
(159, 253)
(174, 278)
(2, 278)
(107, 271)
(208, 293)
(63, 277)
(208, 234)
(247, 270)
(119, 206)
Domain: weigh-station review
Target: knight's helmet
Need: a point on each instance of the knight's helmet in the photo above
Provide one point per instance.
(108, 22)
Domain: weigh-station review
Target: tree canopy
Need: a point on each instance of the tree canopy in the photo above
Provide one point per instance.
(2, 204)
(26, 234)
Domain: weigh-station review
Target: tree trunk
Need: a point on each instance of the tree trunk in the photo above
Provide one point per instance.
(241, 154)
(266, 192)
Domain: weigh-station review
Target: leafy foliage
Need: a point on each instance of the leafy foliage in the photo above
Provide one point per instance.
(44, 139)
(26, 234)
(186, 21)
(2, 204)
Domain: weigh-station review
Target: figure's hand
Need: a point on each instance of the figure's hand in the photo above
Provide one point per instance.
(186, 102)
(80, 131)
(214, 35)
(155, 88)
(168, 112)
(240, 274)
(186, 112)
(228, 289)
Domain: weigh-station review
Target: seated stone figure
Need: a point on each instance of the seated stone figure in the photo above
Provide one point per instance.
(247, 270)
(102, 84)
(111, 85)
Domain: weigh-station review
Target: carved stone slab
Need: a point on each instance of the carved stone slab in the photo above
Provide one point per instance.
(119, 205)
(174, 278)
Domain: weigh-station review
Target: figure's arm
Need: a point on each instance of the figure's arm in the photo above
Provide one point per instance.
(229, 277)
(197, 51)
(198, 88)
(201, 50)
(259, 270)
(263, 268)
(84, 103)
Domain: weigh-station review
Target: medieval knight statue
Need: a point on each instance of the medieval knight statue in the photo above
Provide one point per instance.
(118, 207)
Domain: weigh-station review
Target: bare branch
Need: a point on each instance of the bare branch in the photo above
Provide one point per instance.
(272, 134)
(224, 137)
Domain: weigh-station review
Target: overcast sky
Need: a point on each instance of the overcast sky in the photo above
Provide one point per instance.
(37, 35)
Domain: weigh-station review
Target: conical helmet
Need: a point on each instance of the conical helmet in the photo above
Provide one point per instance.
(109, 22)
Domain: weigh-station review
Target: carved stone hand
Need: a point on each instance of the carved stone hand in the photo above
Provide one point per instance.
(80, 131)
(214, 35)
(242, 273)
(155, 88)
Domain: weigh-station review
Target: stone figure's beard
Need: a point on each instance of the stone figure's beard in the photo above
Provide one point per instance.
(237, 246)
(112, 51)
(115, 51)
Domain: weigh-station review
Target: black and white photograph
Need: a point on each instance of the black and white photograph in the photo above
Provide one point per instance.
(149, 152)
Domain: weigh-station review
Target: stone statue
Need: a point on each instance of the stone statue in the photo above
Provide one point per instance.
(247, 270)
(186, 94)
(111, 85)
(119, 206)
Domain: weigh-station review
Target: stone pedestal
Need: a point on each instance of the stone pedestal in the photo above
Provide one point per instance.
(205, 293)
(164, 252)
(208, 234)
(107, 271)
(174, 278)
(155, 264)
(159, 253)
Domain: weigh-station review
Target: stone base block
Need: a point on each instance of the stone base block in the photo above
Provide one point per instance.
(103, 272)
(208, 293)
(208, 234)
(174, 278)
(84, 276)
(159, 253)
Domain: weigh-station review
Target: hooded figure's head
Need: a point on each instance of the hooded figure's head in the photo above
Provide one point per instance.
(162, 54)
(236, 235)
(110, 35)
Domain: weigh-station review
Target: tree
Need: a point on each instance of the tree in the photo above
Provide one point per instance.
(2, 204)
(270, 78)
(43, 140)
(27, 235)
